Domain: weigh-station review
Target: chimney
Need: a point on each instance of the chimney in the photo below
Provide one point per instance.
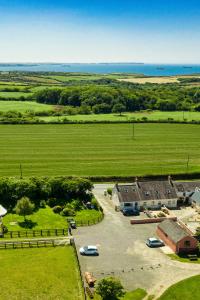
(136, 182)
(170, 180)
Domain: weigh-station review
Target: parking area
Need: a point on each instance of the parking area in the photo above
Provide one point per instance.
(124, 254)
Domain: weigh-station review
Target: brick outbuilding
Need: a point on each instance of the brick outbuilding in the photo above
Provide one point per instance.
(177, 237)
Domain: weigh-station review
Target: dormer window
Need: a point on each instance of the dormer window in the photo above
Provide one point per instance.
(147, 193)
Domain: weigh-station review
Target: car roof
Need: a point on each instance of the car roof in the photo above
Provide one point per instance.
(92, 247)
(153, 239)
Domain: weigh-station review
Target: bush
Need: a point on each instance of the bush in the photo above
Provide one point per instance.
(77, 204)
(68, 212)
(110, 289)
(94, 204)
(109, 191)
(57, 209)
(4, 228)
(52, 202)
(42, 204)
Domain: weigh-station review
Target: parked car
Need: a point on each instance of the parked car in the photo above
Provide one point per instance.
(89, 250)
(130, 212)
(154, 242)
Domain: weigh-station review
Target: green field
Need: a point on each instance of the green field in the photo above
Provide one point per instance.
(187, 289)
(42, 274)
(23, 106)
(154, 116)
(99, 149)
(11, 95)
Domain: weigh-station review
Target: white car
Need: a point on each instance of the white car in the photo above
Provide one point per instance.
(89, 250)
(154, 242)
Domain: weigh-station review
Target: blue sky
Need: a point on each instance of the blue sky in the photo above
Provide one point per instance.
(161, 31)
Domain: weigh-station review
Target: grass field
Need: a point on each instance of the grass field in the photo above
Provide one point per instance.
(153, 115)
(187, 289)
(23, 106)
(42, 274)
(99, 149)
(10, 95)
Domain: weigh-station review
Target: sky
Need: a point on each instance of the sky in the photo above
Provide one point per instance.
(150, 31)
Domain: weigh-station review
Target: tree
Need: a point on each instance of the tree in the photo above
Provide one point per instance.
(110, 288)
(118, 108)
(24, 207)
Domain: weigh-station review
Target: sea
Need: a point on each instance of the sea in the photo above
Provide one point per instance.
(105, 68)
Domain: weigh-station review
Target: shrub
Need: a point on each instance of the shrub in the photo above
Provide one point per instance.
(42, 204)
(94, 204)
(110, 289)
(109, 191)
(4, 228)
(57, 209)
(68, 212)
(77, 204)
(52, 202)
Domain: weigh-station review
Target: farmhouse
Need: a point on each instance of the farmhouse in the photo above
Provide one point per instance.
(145, 195)
(177, 236)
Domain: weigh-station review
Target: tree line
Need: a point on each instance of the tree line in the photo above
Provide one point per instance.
(54, 191)
(118, 97)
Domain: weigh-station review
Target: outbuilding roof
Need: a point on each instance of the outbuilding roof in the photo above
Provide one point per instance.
(173, 230)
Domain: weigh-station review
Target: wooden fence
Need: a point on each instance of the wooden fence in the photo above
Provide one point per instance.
(37, 243)
(72, 242)
(36, 233)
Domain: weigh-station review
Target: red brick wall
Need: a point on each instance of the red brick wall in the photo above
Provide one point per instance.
(166, 240)
(180, 246)
(151, 220)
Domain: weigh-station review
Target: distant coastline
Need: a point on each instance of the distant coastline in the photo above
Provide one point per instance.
(105, 68)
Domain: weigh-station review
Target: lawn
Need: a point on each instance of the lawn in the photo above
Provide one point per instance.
(45, 218)
(23, 106)
(42, 274)
(184, 259)
(99, 149)
(187, 289)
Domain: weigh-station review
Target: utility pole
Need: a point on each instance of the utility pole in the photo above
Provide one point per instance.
(188, 160)
(133, 133)
(20, 167)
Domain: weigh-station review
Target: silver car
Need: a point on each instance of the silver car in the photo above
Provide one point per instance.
(89, 250)
(154, 242)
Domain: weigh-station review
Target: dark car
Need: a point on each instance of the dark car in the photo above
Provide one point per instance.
(130, 212)
(72, 223)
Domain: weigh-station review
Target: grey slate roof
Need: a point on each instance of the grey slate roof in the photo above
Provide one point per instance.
(146, 191)
(196, 197)
(128, 193)
(156, 190)
(173, 230)
(189, 186)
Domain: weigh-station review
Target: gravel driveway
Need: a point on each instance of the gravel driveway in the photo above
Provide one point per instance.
(123, 252)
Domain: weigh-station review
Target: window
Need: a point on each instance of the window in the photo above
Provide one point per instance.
(169, 202)
(153, 203)
(187, 243)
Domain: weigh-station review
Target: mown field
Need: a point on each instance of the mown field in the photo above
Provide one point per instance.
(42, 274)
(99, 149)
(187, 289)
(23, 106)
